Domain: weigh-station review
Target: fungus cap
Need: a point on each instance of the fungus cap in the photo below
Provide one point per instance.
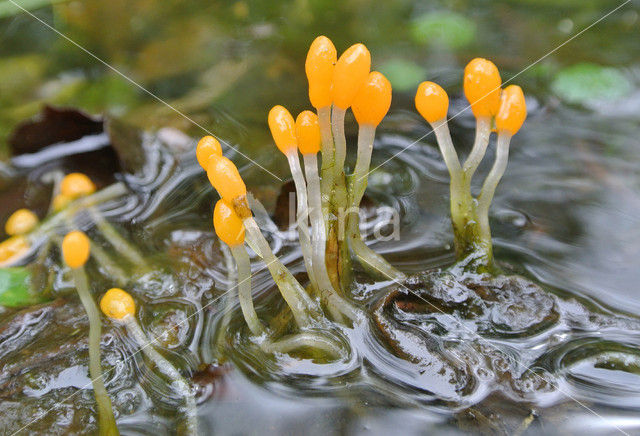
(225, 178)
(117, 304)
(60, 202)
(308, 132)
(482, 87)
(282, 129)
(20, 222)
(432, 101)
(513, 110)
(350, 73)
(228, 225)
(319, 66)
(76, 185)
(207, 146)
(75, 249)
(373, 100)
(12, 248)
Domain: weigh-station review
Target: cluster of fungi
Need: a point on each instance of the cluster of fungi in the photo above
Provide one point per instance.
(325, 195)
(327, 199)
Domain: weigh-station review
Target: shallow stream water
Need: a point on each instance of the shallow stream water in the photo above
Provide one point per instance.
(559, 356)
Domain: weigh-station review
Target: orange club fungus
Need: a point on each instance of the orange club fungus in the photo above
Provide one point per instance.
(75, 252)
(506, 109)
(120, 307)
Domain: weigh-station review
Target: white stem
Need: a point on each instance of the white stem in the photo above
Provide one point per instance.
(441, 129)
(491, 182)
(483, 130)
(105, 412)
(302, 214)
(337, 126)
(335, 303)
(244, 289)
(180, 385)
(328, 159)
(292, 292)
(359, 180)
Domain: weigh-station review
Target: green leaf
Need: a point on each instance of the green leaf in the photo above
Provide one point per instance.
(589, 83)
(443, 28)
(403, 75)
(15, 288)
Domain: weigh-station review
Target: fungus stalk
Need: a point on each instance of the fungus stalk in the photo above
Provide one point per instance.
(358, 184)
(302, 214)
(328, 161)
(335, 303)
(489, 189)
(75, 251)
(282, 128)
(483, 131)
(245, 296)
(180, 385)
(225, 178)
(369, 106)
(301, 305)
(120, 307)
(230, 230)
(308, 135)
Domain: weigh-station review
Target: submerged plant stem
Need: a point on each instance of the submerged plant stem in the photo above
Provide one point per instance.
(181, 386)
(244, 289)
(106, 420)
(119, 243)
(305, 339)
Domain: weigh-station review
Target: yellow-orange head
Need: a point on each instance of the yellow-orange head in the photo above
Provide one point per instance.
(321, 60)
(432, 102)
(513, 110)
(225, 178)
(75, 249)
(308, 132)
(228, 225)
(59, 202)
(482, 87)
(207, 147)
(76, 185)
(282, 129)
(117, 304)
(20, 222)
(373, 100)
(350, 74)
(13, 248)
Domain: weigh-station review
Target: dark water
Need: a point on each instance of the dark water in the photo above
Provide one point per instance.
(559, 358)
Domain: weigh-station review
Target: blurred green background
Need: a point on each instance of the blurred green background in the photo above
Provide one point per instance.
(224, 64)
